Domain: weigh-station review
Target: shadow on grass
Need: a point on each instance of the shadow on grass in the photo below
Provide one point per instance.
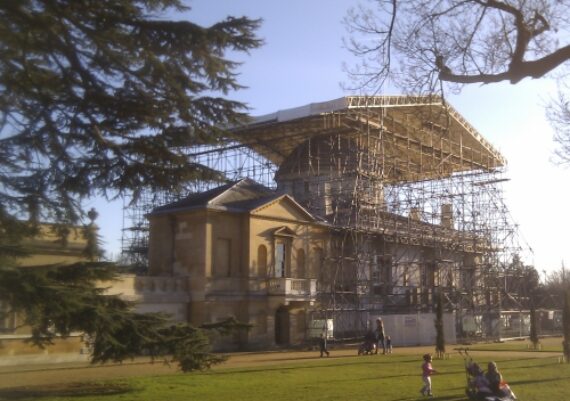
(66, 390)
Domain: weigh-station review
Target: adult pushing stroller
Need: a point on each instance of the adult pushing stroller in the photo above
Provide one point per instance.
(479, 387)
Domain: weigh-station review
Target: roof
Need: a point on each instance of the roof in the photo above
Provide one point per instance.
(422, 137)
(244, 195)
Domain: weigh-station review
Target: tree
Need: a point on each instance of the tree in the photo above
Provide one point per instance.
(420, 45)
(98, 97)
(439, 334)
(533, 332)
(566, 326)
(57, 301)
(460, 41)
(557, 282)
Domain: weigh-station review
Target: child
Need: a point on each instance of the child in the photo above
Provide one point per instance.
(388, 345)
(427, 371)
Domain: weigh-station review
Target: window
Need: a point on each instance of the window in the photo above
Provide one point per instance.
(280, 259)
(7, 319)
(222, 258)
(386, 269)
(261, 261)
(406, 277)
(328, 199)
(450, 282)
(283, 239)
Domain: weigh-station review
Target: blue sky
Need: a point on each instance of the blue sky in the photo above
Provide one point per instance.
(301, 62)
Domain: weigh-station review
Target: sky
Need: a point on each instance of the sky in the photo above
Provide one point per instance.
(302, 62)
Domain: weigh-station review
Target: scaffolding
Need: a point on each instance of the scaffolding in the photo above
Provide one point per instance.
(412, 191)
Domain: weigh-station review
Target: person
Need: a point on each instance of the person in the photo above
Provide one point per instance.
(496, 383)
(479, 382)
(323, 345)
(427, 371)
(388, 344)
(380, 335)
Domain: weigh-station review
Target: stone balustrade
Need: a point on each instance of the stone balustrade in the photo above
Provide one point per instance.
(305, 289)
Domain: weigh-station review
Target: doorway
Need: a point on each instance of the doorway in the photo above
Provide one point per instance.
(282, 325)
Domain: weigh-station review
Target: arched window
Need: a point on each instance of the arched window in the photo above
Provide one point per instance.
(262, 261)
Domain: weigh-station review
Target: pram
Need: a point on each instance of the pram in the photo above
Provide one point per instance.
(367, 347)
(478, 386)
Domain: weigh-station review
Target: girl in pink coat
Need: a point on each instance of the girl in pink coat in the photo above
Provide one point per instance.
(427, 371)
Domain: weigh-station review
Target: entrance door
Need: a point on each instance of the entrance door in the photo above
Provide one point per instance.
(282, 326)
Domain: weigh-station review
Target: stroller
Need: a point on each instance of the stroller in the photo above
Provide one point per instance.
(478, 387)
(367, 347)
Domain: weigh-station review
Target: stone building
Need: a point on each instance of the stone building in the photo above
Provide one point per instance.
(46, 248)
(375, 206)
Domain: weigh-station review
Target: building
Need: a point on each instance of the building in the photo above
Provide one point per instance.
(50, 246)
(246, 251)
(401, 199)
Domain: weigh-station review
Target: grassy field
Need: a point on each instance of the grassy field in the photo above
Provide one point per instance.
(393, 377)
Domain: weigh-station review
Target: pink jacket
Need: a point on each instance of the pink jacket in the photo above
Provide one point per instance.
(427, 369)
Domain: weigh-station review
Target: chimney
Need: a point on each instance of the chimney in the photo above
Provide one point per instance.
(447, 215)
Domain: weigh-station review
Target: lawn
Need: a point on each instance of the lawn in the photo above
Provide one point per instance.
(547, 344)
(393, 377)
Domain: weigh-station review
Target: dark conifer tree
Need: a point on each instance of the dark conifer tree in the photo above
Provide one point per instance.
(97, 97)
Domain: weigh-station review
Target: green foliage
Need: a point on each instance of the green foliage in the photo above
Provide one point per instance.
(96, 96)
(439, 334)
(57, 301)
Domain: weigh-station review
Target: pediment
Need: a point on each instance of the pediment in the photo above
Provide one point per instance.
(284, 232)
(284, 207)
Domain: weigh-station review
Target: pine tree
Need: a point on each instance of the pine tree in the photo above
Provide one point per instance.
(440, 337)
(98, 97)
(57, 301)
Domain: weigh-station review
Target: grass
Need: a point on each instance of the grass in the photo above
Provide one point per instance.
(365, 378)
(548, 344)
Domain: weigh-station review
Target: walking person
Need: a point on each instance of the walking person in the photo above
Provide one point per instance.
(427, 371)
(323, 345)
(380, 335)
